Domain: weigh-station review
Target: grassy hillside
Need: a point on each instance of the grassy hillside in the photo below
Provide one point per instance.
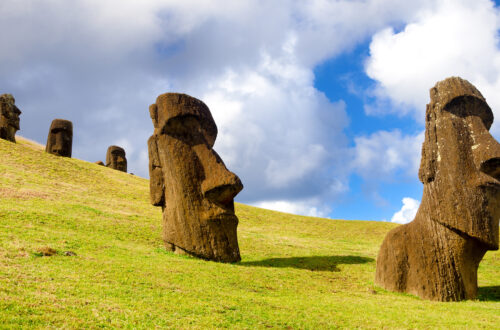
(296, 272)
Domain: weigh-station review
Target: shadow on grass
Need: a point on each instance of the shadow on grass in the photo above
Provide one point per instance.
(328, 263)
(489, 293)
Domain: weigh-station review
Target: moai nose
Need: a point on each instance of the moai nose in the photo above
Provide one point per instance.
(486, 151)
(220, 185)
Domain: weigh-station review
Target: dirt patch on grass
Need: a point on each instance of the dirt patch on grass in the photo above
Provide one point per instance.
(22, 194)
(46, 251)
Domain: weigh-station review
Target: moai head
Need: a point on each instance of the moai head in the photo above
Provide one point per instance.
(115, 158)
(9, 118)
(60, 139)
(460, 165)
(190, 181)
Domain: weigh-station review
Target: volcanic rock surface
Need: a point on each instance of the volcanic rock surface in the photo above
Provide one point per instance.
(190, 182)
(436, 256)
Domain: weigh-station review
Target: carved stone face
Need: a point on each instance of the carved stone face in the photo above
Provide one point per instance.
(60, 139)
(190, 181)
(9, 117)
(460, 165)
(115, 158)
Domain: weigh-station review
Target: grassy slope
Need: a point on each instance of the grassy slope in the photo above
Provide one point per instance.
(296, 271)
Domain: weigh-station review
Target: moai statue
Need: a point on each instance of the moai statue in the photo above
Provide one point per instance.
(9, 118)
(190, 182)
(60, 139)
(115, 158)
(436, 256)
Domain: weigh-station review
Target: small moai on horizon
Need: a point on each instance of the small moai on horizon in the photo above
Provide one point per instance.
(9, 118)
(436, 256)
(60, 139)
(115, 158)
(190, 182)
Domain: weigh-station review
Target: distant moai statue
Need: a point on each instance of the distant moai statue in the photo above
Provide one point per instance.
(60, 139)
(9, 117)
(436, 256)
(115, 158)
(190, 182)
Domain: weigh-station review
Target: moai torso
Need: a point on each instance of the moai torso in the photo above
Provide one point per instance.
(436, 256)
(190, 182)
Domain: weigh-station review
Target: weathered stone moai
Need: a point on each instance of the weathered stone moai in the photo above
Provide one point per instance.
(115, 158)
(436, 256)
(60, 139)
(190, 182)
(9, 117)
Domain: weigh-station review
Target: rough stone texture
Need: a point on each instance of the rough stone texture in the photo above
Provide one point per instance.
(9, 117)
(190, 182)
(60, 139)
(436, 256)
(115, 158)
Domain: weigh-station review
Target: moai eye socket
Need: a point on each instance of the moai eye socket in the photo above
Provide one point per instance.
(468, 105)
(187, 128)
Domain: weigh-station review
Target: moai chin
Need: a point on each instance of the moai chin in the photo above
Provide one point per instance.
(436, 256)
(60, 139)
(190, 182)
(9, 117)
(115, 158)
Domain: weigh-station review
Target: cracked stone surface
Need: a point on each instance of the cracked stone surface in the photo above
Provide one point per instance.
(436, 256)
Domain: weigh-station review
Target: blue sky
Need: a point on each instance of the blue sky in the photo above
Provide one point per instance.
(319, 104)
(334, 78)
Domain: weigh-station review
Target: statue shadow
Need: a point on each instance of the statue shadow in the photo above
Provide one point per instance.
(314, 263)
(489, 293)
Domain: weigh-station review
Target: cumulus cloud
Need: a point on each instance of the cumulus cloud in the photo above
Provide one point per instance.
(297, 207)
(407, 212)
(449, 38)
(251, 62)
(384, 154)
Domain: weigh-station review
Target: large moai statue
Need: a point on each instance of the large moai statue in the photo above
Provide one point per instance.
(190, 182)
(9, 117)
(115, 158)
(436, 256)
(60, 139)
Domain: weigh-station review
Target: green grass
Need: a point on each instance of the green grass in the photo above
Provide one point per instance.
(296, 272)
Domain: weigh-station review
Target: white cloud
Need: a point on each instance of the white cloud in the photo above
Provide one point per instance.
(295, 207)
(385, 153)
(407, 212)
(449, 38)
(252, 63)
(275, 129)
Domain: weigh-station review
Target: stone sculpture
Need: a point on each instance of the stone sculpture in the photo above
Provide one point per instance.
(115, 158)
(9, 117)
(60, 139)
(190, 182)
(436, 256)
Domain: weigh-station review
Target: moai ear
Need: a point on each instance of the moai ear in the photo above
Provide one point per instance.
(156, 183)
(428, 163)
(153, 113)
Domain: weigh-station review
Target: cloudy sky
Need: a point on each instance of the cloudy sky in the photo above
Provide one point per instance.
(319, 104)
